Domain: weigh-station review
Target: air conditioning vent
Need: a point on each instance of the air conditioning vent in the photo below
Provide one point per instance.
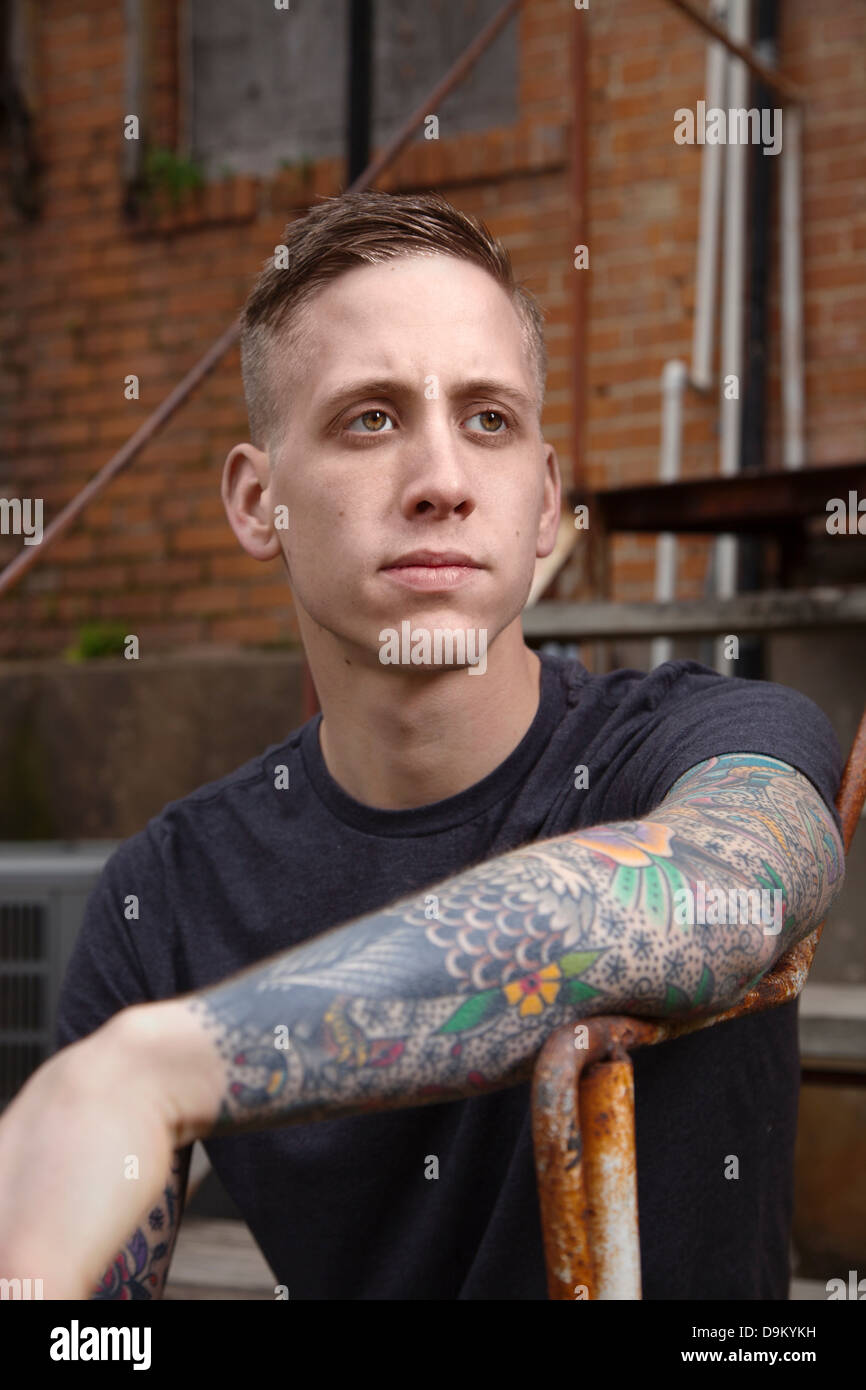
(22, 931)
(43, 892)
(24, 1026)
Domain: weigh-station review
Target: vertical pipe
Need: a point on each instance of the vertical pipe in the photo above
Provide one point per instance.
(23, 166)
(762, 170)
(731, 367)
(360, 87)
(185, 78)
(675, 378)
(790, 234)
(579, 49)
(606, 1102)
(135, 95)
(707, 266)
(580, 237)
(750, 662)
(557, 1146)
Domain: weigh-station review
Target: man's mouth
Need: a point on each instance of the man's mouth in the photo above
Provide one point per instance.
(431, 569)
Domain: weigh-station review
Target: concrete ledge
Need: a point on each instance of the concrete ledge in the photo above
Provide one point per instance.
(833, 1023)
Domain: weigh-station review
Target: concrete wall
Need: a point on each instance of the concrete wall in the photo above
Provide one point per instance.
(92, 751)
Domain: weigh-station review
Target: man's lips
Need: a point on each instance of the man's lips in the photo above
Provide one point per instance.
(430, 559)
(429, 569)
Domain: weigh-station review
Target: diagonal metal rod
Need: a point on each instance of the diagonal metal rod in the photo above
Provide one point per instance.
(452, 78)
(777, 83)
(28, 556)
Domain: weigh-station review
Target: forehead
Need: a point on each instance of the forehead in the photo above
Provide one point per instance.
(414, 314)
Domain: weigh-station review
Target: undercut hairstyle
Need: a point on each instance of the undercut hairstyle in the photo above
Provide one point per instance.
(338, 235)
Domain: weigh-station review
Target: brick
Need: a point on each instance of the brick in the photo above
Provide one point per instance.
(208, 598)
(200, 539)
(248, 631)
(108, 578)
(167, 573)
(151, 301)
(128, 607)
(241, 567)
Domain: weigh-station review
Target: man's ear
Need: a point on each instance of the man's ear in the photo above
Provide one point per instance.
(246, 497)
(548, 523)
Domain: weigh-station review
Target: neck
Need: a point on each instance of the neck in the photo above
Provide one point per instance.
(395, 739)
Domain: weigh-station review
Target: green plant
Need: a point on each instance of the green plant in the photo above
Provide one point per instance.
(171, 173)
(303, 167)
(95, 640)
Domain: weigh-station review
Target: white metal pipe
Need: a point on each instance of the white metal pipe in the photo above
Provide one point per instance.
(675, 378)
(733, 301)
(706, 271)
(790, 239)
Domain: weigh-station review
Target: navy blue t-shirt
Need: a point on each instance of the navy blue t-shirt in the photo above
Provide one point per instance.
(243, 868)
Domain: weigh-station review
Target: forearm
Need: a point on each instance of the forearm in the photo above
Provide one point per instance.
(452, 992)
(140, 1269)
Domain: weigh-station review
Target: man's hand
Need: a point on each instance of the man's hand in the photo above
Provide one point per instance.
(84, 1148)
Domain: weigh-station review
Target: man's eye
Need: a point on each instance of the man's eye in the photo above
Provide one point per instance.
(375, 419)
(489, 420)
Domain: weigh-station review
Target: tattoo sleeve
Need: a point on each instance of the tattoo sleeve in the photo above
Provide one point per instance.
(140, 1269)
(453, 992)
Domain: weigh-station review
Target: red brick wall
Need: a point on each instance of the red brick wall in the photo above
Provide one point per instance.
(88, 298)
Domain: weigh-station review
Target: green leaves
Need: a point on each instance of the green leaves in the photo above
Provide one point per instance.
(652, 888)
(575, 962)
(704, 991)
(479, 1009)
(626, 885)
(676, 1000)
(578, 992)
(654, 896)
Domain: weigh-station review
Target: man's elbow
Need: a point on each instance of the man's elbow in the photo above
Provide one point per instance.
(783, 928)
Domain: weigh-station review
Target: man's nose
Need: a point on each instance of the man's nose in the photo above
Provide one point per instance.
(437, 477)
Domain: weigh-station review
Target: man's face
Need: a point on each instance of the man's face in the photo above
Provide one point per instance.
(411, 426)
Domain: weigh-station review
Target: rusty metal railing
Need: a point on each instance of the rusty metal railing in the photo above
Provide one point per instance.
(583, 1112)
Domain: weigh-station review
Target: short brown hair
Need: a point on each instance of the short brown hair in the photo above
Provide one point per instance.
(356, 229)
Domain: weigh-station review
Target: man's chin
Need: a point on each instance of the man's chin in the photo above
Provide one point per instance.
(431, 642)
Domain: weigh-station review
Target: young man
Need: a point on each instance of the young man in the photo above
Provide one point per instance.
(501, 843)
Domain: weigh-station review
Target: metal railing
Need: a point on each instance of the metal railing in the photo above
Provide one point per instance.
(583, 1112)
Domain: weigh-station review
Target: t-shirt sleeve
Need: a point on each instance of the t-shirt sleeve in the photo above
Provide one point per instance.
(702, 714)
(105, 972)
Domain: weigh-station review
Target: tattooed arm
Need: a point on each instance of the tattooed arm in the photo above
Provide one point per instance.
(447, 994)
(454, 991)
(140, 1269)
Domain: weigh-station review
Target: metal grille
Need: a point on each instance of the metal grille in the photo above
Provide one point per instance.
(22, 931)
(24, 1023)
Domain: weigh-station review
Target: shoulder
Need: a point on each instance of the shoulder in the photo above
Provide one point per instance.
(239, 793)
(675, 688)
(661, 723)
